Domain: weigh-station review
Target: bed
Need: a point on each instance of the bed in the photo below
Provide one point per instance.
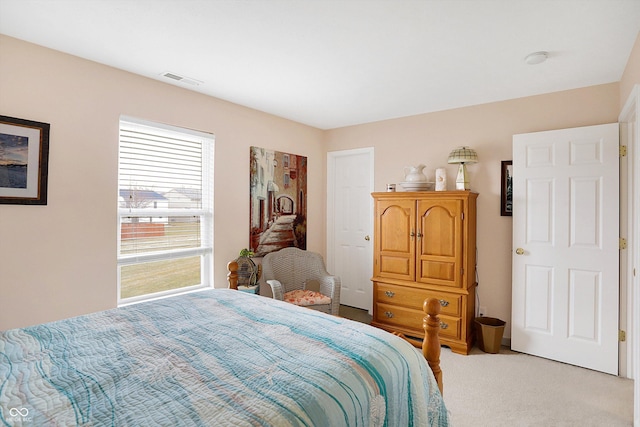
(216, 357)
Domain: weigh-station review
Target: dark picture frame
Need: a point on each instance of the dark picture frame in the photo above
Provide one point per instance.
(506, 188)
(24, 161)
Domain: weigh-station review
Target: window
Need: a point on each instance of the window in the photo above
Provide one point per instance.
(165, 210)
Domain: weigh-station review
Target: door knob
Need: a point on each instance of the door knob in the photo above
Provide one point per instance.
(520, 251)
(367, 238)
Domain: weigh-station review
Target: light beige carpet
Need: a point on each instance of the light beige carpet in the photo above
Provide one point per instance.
(515, 389)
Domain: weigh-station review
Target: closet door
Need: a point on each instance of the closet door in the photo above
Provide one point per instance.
(350, 224)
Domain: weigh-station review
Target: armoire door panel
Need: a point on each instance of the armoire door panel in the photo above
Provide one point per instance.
(395, 221)
(394, 249)
(438, 226)
(440, 245)
(438, 272)
(391, 266)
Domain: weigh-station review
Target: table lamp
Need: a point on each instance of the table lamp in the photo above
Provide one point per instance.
(463, 155)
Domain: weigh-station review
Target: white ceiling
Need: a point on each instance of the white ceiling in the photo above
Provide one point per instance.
(335, 63)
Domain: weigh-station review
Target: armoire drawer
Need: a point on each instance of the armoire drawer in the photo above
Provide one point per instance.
(413, 298)
(450, 327)
(450, 304)
(394, 315)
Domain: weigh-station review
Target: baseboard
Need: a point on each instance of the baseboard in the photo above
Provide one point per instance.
(506, 342)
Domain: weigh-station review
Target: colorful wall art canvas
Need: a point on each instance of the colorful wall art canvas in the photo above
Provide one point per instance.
(278, 212)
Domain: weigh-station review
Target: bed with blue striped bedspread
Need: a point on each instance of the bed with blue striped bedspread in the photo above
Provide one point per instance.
(213, 358)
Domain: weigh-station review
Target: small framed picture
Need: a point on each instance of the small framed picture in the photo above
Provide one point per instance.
(506, 188)
(24, 161)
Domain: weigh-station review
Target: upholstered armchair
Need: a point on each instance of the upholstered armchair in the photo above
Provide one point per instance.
(301, 278)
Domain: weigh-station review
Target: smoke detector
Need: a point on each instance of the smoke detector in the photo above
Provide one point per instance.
(536, 58)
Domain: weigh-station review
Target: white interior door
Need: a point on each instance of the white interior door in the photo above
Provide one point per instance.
(566, 247)
(350, 213)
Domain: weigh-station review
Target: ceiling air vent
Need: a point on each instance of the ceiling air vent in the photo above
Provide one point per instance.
(181, 79)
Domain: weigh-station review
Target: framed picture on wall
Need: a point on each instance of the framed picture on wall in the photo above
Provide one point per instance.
(506, 188)
(24, 161)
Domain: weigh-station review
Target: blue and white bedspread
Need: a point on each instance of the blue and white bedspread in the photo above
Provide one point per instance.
(213, 358)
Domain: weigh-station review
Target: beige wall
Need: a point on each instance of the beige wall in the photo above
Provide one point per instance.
(631, 75)
(59, 260)
(488, 128)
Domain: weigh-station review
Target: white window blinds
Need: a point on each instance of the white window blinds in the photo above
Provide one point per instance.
(165, 209)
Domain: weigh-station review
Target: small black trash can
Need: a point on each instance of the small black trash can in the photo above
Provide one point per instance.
(489, 332)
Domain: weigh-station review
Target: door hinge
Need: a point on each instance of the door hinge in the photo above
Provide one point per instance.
(462, 216)
(623, 151)
(622, 336)
(623, 243)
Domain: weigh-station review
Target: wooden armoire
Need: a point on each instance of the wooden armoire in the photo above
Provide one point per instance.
(425, 246)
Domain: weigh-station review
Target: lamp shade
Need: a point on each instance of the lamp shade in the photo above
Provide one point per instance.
(463, 155)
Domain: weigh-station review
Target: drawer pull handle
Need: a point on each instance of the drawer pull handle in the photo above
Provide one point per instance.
(390, 294)
(388, 314)
(443, 325)
(444, 303)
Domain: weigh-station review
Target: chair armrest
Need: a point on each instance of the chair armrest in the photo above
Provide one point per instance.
(276, 289)
(330, 286)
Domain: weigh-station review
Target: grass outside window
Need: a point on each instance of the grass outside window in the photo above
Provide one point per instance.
(159, 276)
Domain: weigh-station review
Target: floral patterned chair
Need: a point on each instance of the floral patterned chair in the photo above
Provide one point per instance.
(300, 277)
